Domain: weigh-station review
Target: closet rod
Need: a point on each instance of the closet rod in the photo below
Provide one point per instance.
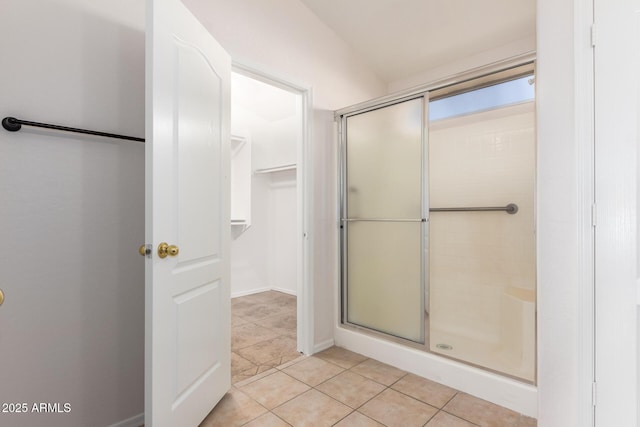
(13, 125)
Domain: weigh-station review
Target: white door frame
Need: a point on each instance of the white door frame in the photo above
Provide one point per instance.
(304, 200)
(564, 84)
(588, 138)
(617, 117)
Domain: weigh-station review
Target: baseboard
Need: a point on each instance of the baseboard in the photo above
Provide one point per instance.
(323, 345)
(285, 291)
(265, 289)
(250, 292)
(135, 421)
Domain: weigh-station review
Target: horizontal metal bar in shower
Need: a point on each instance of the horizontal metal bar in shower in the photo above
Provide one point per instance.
(511, 209)
(13, 125)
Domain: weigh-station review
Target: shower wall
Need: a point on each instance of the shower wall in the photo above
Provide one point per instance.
(482, 264)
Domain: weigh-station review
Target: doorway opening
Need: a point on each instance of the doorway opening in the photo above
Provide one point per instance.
(269, 242)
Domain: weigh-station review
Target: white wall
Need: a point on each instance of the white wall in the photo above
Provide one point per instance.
(282, 243)
(264, 255)
(486, 57)
(72, 325)
(249, 260)
(325, 227)
(284, 38)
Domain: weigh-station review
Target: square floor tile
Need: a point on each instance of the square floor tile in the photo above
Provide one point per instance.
(242, 376)
(341, 357)
(395, 409)
(300, 358)
(275, 389)
(312, 409)
(249, 334)
(425, 390)
(241, 304)
(267, 420)
(378, 371)
(282, 324)
(280, 298)
(266, 351)
(239, 363)
(237, 321)
(481, 412)
(253, 378)
(356, 419)
(255, 370)
(525, 421)
(313, 371)
(442, 419)
(256, 312)
(235, 409)
(351, 389)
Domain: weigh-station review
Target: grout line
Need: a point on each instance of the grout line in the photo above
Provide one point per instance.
(352, 411)
(258, 403)
(281, 419)
(398, 380)
(461, 417)
(416, 399)
(294, 397)
(452, 397)
(434, 415)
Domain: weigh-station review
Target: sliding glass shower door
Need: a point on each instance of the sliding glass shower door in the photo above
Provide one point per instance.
(383, 218)
(437, 220)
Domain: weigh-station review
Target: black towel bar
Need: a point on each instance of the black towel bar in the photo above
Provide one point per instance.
(13, 125)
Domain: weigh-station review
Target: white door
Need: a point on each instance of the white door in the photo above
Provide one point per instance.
(187, 360)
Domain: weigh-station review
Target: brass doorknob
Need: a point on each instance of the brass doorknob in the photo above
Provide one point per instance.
(142, 250)
(165, 249)
(1, 297)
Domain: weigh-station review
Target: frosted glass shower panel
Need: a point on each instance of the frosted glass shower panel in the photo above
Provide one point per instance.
(384, 277)
(382, 219)
(384, 162)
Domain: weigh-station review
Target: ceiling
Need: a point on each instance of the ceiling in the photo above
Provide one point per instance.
(399, 38)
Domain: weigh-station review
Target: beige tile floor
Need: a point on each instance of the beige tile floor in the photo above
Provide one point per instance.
(263, 333)
(274, 386)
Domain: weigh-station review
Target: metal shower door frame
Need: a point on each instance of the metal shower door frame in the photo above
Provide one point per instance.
(424, 220)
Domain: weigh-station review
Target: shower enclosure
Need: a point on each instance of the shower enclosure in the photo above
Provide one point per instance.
(437, 221)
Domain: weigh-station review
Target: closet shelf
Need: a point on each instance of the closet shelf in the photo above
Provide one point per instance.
(277, 169)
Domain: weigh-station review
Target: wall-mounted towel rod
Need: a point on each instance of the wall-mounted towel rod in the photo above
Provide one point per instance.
(13, 125)
(511, 208)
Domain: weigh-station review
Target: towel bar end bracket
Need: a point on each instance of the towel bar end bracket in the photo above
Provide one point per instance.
(11, 124)
(511, 208)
